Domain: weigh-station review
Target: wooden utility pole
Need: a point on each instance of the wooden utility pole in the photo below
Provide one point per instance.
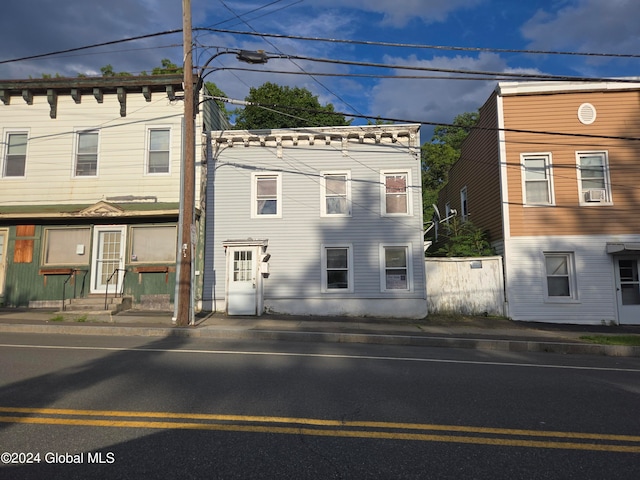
(187, 223)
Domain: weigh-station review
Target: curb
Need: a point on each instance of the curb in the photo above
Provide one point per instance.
(504, 345)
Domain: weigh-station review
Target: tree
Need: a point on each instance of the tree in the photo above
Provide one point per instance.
(463, 239)
(167, 67)
(213, 90)
(306, 109)
(440, 153)
(107, 71)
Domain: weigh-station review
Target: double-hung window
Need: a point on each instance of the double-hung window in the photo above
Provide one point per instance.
(337, 268)
(335, 194)
(560, 276)
(158, 154)
(15, 159)
(266, 195)
(593, 177)
(537, 181)
(395, 268)
(86, 154)
(396, 195)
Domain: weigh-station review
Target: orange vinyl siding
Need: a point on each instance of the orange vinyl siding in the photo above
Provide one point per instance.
(618, 115)
(479, 170)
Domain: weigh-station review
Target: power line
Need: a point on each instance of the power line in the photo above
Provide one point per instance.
(423, 46)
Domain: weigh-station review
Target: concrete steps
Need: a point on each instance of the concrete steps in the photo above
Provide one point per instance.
(95, 303)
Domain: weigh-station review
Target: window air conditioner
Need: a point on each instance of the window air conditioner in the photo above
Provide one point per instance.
(596, 195)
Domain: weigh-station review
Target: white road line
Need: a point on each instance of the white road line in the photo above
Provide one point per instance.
(327, 356)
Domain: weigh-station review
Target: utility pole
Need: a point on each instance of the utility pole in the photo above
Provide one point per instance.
(187, 223)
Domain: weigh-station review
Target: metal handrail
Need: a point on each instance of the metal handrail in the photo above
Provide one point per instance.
(64, 285)
(106, 293)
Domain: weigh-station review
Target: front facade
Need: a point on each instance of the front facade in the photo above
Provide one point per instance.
(90, 189)
(322, 221)
(552, 175)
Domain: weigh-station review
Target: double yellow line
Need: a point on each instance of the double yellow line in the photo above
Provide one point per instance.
(327, 428)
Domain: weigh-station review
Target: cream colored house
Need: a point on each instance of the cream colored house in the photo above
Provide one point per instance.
(90, 187)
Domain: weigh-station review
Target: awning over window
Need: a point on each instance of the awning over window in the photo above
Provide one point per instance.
(623, 248)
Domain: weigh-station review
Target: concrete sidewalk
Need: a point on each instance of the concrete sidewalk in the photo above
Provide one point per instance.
(474, 332)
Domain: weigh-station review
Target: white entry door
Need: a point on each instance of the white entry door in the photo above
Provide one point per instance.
(108, 255)
(4, 234)
(242, 285)
(628, 290)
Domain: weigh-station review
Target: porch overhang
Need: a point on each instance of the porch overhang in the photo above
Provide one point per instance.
(249, 242)
(623, 247)
(98, 210)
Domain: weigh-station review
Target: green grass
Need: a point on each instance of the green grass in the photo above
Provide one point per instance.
(81, 319)
(57, 318)
(629, 340)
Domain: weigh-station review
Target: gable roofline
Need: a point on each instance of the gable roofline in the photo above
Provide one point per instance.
(540, 88)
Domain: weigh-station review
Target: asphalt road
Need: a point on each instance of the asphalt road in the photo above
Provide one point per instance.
(134, 407)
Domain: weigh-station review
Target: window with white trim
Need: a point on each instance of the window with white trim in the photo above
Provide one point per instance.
(15, 159)
(560, 276)
(593, 177)
(266, 195)
(86, 164)
(335, 194)
(537, 181)
(396, 268)
(337, 268)
(158, 158)
(396, 194)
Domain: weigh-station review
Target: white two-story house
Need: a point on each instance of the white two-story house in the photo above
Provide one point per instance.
(315, 221)
(90, 187)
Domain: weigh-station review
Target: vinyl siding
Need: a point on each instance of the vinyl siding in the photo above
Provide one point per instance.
(525, 278)
(122, 154)
(295, 239)
(617, 114)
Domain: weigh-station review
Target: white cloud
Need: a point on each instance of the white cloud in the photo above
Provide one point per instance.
(587, 26)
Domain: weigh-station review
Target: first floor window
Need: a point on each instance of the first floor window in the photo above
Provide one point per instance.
(396, 267)
(396, 193)
(87, 154)
(16, 157)
(158, 150)
(266, 192)
(66, 246)
(536, 170)
(154, 244)
(337, 269)
(559, 275)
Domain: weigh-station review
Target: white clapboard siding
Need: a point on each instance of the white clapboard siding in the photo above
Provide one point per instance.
(122, 152)
(595, 276)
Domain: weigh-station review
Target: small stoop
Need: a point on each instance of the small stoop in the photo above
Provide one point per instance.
(94, 303)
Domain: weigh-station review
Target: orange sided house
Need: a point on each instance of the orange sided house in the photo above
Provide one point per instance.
(551, 173)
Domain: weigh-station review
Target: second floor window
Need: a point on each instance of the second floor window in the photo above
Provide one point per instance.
(266, 193)
(158, 150)
(593, 177)
(537, 180)
(396, 193)
(16, 157)
(87, 154)
(336, 194)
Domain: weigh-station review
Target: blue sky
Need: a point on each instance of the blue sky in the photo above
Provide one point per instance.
(30, 27)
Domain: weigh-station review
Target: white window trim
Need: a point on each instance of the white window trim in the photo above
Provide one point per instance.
(464, 204)
(323, 268)
(148, 149)
(323, 193)
(573, 279)
(549, 167)
(254, 200)
(5, 152)
(383, 192)
(76, 136)
(383, 267)
(607, 181)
